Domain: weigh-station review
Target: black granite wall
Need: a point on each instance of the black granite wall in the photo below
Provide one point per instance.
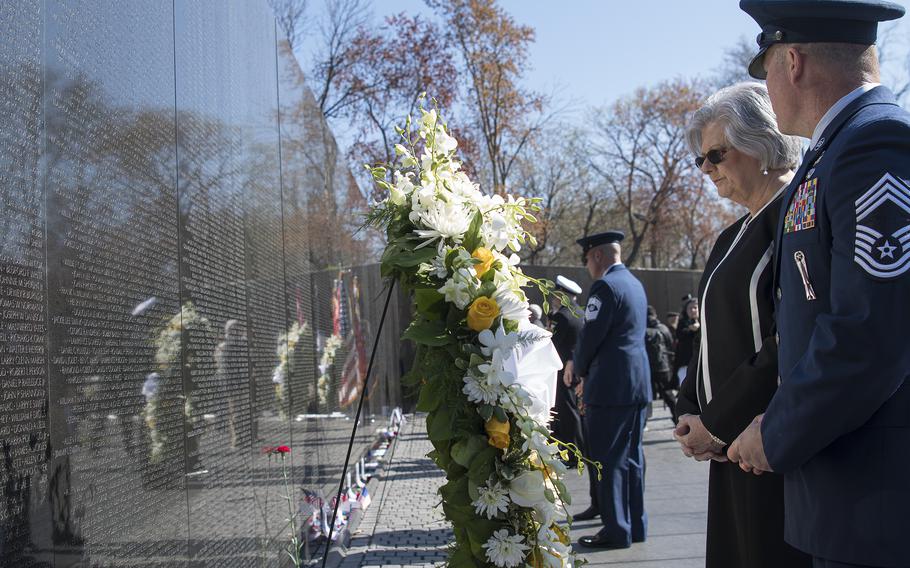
(164, 314)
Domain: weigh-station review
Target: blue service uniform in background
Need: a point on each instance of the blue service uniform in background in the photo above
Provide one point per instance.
(839, 425)
(612, 359)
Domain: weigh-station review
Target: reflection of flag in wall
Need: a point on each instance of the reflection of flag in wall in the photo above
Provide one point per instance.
(355, 367)
(300, 318)
(340, 313)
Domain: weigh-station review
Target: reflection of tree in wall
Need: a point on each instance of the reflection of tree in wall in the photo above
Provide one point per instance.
(327, 193)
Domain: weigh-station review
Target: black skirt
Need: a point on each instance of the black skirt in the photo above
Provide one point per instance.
(746, 521)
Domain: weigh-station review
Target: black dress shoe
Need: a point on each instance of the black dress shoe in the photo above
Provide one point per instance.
(600, 541)
(586, 515)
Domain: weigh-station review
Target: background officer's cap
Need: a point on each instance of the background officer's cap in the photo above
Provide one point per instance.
(569, 286)
(591, 241)
(816, 21)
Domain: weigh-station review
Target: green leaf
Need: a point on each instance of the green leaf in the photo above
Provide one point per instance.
(472, 236)
(479, 532)
(431, 395)
(455, 492)
(488, 288)
(500, 414)
(464, 451)
(563, 492)
(426, 299)
(548, 493)
(432, 333)
(439, 424)
(461, 558)
(485, 411)
(455, 316)
(483, 466)
(401, 254)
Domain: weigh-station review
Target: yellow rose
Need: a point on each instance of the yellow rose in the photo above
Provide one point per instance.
(498, 433)
(482, 313)
(486, 258)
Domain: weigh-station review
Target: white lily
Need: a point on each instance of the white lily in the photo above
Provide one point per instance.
(498, 344)
(511, 305)
(495, 374)
(527, 489)
(460, 288)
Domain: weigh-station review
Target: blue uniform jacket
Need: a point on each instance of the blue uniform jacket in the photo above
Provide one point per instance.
(611, 354)
(839, 425)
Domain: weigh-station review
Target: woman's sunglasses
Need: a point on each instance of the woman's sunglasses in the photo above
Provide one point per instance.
(714, 156)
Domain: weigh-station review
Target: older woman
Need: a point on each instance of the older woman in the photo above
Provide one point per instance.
(733, 372)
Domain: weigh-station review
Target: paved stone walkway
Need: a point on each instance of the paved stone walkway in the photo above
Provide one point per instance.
(405, 528)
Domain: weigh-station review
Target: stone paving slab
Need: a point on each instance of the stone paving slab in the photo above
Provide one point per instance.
(404, 527)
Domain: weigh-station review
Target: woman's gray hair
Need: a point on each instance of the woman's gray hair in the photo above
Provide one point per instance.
(744, 110)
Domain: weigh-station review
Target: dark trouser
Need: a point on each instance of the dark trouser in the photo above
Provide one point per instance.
(663, 389)
(566, 425)
(614, 438)
(822, 563)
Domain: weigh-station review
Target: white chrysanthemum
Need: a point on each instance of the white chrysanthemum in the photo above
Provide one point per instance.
(491, 500)
(480, 391)
(506, 550)
(422, 199)
(460, 288)
(511, 305)
(445, 220)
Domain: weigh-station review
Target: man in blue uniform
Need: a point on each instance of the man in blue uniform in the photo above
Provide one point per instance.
(612, 361)
(838, 427)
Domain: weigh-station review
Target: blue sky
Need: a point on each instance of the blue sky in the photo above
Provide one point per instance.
(599, 50)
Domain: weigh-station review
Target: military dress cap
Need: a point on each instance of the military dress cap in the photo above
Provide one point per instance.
(591, 241)
(814, 21)
(570, 286)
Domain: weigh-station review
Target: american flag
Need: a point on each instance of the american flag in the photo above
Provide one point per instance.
(341, 325)
(355, 367)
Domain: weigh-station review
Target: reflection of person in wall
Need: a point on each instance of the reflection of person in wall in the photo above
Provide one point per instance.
(168, 390)
(16, 492)
(230, 356)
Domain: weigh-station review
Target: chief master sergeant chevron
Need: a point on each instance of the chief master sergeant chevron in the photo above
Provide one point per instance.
(611, 357)
(838, 427)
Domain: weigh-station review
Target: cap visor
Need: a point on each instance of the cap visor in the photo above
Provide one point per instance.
(757, 67)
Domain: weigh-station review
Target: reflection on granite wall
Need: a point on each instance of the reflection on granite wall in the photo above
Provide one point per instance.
(165, 314)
